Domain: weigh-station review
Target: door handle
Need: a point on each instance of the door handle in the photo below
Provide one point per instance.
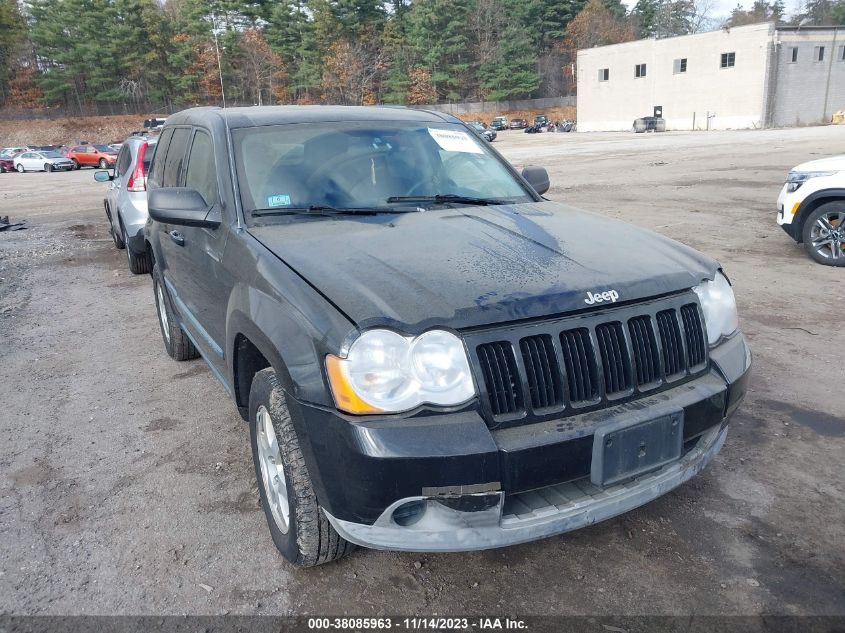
(177, 237)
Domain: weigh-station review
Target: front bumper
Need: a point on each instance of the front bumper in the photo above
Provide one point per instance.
(528, 516)
(484, 488)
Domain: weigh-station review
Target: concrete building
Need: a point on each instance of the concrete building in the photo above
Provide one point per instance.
(743, 77)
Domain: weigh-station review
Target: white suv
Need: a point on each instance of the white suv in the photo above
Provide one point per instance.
(811, 208)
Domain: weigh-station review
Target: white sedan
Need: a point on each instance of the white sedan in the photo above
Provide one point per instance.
(42, 161)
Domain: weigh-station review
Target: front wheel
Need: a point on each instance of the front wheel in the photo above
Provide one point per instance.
(48, 167)
(76, 164)
(824, 234)
(20, 168)
(298, 526)
(103, 163)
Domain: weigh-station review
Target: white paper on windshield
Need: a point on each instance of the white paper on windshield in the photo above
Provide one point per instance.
(455, 141)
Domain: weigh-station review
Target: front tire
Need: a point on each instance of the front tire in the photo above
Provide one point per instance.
(76, 164)
(298, 525)
(823, 234)
(20, 168)
(48, 167)
(103, 163)
(176, 342)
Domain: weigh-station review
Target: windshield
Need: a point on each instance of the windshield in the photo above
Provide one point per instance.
(356, 165)
(51, 155)
(105, 148)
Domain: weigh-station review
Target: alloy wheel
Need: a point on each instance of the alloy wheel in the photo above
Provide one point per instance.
(162, 314)
(827, 235)
(272, 471)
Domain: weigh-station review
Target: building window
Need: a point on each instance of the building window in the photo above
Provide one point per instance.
(680, 66)
(604, 74)
(639, 70)
(728, 60)
(818, 54)
(794, 54)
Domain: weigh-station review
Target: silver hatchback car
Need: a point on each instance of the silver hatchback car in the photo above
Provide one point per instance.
(126, 199)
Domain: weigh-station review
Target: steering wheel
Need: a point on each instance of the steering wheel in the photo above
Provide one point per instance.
(334, 163)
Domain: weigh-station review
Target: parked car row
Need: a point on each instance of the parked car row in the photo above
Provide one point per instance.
(541, 123)
(56, 157)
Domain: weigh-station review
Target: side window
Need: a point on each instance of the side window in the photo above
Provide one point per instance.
(201, 174)
(175, 157)
(124, 160)
(158, 157)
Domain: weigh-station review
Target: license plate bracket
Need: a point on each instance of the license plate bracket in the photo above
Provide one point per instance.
(624, 451)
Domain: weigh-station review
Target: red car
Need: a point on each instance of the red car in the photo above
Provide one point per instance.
(7, 165)
(101, 156)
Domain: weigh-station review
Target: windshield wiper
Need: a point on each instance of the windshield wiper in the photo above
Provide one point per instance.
(448, 198)
(325, 210)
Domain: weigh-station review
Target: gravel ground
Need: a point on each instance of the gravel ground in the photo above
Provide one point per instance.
(126, 484)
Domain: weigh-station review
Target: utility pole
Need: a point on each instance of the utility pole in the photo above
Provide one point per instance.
(217, 51)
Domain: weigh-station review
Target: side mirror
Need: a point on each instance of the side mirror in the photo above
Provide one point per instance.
(179, 205)
(537, 177)
(103, 176)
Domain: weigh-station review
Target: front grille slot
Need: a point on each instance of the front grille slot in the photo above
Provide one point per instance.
(544, 384)
(580, 365)
(561, 367)
(694, 335)
(670, 340)
(498, 366)
(614, 357)
(646, 359)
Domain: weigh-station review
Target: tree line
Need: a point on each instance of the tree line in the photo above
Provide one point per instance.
(140, 55)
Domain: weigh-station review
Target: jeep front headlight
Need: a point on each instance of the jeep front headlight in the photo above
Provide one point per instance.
(386, 372)
(719, 306)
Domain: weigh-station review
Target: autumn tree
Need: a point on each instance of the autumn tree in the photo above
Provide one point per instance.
(760, 11)
(421, 91)
(261, 71)
(595, 26)
(350, 71)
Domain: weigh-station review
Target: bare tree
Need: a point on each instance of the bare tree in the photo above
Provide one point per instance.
(702, 18)
(261, 69)
(350, 73)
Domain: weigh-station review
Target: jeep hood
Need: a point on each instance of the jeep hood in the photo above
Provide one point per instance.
(470, 266)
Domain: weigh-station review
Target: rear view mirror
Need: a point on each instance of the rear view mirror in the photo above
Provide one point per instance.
(537, 177)
(179, 205)
(102, 176)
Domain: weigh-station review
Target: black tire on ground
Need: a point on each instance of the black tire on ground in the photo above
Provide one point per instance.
(138, 263)
(310, 539)
(2, 169)
(20, 168)
(835, 212)
(48, 167)
(76, 164)
(176, 342)
(116, 236)
(103, 163)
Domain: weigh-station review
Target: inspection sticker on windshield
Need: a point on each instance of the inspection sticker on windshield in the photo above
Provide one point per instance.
(455, 141)
(278, 200)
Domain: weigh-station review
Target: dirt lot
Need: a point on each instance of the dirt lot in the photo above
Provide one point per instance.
(126, 484)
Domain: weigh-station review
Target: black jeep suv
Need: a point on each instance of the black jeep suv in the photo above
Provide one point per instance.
(430, 355)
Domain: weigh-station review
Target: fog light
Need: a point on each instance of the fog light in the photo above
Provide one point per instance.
(409, 513)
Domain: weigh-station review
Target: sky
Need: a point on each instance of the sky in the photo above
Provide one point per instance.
(723, 8)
